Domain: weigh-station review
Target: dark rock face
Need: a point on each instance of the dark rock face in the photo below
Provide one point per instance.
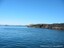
(48, 26)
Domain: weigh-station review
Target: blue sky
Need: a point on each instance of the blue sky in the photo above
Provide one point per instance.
(22, 12)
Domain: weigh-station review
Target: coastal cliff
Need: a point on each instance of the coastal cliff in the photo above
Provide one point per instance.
(48, 26)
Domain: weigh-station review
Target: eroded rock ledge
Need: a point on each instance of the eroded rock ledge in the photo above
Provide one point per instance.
(48, 26)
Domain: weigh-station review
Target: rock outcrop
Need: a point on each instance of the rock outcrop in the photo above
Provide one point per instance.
(48, 26)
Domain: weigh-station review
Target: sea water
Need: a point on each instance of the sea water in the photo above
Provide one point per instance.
(25, 37)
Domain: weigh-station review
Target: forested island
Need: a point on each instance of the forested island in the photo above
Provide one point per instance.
(57, 26)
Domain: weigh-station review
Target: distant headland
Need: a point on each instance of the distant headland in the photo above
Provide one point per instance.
(57, 26)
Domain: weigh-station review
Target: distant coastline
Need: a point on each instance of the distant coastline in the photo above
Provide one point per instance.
(57, 26)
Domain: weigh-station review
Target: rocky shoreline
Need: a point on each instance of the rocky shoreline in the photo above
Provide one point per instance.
(49, 26)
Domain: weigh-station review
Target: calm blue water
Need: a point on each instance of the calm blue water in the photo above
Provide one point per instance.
(23, 37)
